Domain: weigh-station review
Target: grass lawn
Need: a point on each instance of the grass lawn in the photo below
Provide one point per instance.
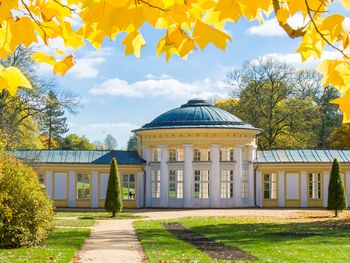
(101, 215)
(268, 239)
(61, 246)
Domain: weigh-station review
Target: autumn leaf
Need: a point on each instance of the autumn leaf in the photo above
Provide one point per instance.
(11, 78)
(344, 105)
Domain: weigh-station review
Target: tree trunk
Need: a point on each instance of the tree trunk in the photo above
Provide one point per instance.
(113, 213)
(336, 213)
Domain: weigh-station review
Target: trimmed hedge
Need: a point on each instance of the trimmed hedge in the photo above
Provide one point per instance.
(26, 214)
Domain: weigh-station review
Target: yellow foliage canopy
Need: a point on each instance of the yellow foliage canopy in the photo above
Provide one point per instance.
(188, 25)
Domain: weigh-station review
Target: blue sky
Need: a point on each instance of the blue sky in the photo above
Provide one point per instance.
(120, 93)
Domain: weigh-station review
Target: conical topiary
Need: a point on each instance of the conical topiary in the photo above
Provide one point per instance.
(336, 192)
(113, 201)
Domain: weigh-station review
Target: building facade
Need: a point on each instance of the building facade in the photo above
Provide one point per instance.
(194, 156)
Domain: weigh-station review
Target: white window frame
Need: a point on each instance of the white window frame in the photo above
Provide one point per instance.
(315, 186)
(272, 186)
(201, 155)
(156, 154)
(227, 184)
(201, 183)
(129, 183)
(83, 197)
(176, 155)
(155, 183)
(227, 154)
(176, 180)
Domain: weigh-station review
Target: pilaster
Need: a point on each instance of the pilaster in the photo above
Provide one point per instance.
(94, 181)
(303, 178)
(214, 177)
(49, 186)
(71, 189)
(238, 173)
(188, 174)
(164, 175)
(281, 194)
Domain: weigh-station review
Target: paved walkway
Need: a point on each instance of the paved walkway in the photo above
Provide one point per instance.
(112, 241)
(116, 241)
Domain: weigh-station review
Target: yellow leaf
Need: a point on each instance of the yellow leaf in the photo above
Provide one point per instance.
(11, 78)
(283, 15)
(41, 57)
(229, 9)
(64, 65)
(133, 43)
(344, 105)
(336, 73)
(346, 3)
(204, 34)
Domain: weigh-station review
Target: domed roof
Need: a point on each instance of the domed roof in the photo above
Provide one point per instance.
(197, 113)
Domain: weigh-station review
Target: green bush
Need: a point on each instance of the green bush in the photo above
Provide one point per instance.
(26, 214)
(113, 202)
(336, 193)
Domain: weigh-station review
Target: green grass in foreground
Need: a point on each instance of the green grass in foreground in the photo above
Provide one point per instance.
(101, 215)
(61, 247)
(74, 222)
(254, 235)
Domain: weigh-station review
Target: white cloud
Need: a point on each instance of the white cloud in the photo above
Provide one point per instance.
(271, 27)
(88, 65)
(295, 59)
(166, 88)
(162, 76)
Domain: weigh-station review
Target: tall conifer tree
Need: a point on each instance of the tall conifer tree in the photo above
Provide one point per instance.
(113, 202)
(336, 193)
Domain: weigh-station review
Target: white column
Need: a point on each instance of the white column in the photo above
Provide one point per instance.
(94, 181)
(188, 175)
(325, 190)
(238, 175)
(214, 177)
(146, 154)
(71, 189)
(258, 189)
(140, 190)
(281, 183)
(303, 178)
(348, 187)
(49, 184)
(251, 158)
(164, 176)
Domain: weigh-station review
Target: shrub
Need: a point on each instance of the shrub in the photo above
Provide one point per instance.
(336, 192)
(113, 202)
(26, 214)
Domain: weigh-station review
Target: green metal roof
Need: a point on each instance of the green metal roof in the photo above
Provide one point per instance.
(82, 157)
(303, 156)
(132, 157)
(197, 113)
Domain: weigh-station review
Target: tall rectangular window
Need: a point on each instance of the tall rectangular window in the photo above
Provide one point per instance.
(176, 155)
(201, 155)
(270, 186)
(314, 185)
(83, 186)
(226, 183)
(156, 154)
(128, 186)
(175, 184)
(155, 183)
(201, 184)
(245, 183)
(227, 154)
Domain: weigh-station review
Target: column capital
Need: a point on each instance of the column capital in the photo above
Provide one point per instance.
(188, 145)
(239, 146)
(162, 146)
(216, 145)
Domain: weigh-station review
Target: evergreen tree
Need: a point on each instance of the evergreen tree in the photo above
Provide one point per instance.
(132, 143)
(336, 193)
(113, 202)
(54, 124)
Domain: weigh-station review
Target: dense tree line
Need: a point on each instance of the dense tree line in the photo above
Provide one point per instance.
(291, 106)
